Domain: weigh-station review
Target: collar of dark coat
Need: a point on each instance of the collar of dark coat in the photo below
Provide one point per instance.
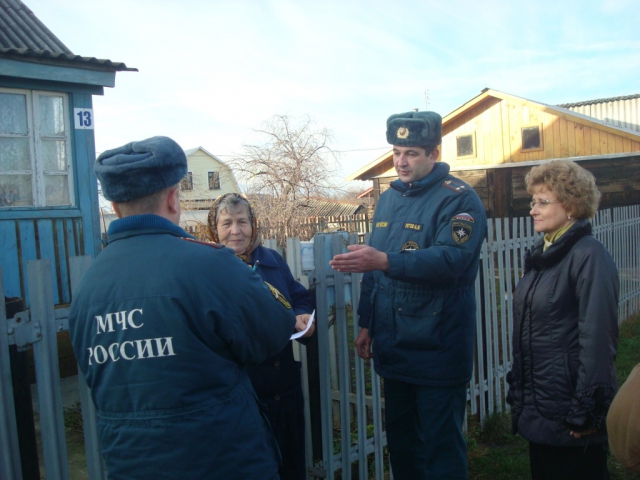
(143, 224)
(537, 259)
(435, 177)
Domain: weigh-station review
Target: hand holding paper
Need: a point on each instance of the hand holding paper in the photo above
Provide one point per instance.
(303, 333)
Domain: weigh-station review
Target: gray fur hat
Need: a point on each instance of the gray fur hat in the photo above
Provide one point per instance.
(415, 129)
(140, 168)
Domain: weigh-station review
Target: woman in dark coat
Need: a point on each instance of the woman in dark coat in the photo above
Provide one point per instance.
(565, 338)
(277, 380)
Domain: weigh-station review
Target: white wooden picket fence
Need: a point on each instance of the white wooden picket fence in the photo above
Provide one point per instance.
(351, 402)
(350, 410)
(501, 266)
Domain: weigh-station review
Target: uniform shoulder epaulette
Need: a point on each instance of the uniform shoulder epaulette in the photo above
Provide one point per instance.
(200, 242)
(454, 185)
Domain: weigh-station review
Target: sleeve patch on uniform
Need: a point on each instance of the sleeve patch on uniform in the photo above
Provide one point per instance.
(464, 217)
(410, 245)
(461, 231)
(382, 224)
(279, 296)
(413, 226)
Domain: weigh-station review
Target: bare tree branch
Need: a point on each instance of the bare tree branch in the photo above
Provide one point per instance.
(293, 163)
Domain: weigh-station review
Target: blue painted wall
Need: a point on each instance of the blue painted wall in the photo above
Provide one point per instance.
(57, 233)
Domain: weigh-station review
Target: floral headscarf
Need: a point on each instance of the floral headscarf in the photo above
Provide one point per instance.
(224, 203)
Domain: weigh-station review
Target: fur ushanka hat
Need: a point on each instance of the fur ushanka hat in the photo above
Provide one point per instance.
(415, 129)
(140, 168)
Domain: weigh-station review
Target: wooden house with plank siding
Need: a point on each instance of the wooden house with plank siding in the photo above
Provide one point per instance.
(492, 141)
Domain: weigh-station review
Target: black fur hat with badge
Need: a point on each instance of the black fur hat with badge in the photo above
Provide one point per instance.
(138, 169)
(415, 129)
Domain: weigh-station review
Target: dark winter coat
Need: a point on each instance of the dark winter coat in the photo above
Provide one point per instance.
(163, 329)
(280, 373)
(277, 380)
(421, 313)
(565, 340)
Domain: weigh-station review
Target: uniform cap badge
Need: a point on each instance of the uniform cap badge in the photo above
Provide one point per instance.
(403, 132)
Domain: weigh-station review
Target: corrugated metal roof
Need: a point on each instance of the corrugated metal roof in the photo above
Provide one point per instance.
(621, 112)
(75, 60)
(20, 28)
(23, 35)
(325, 208)
(601, 100)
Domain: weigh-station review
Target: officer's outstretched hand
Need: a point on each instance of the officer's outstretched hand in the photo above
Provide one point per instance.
(360, 259)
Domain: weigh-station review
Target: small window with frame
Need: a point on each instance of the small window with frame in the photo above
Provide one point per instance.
(532, 138)
(36, 168)
(466, 145)
(187, 182)
(214, 180)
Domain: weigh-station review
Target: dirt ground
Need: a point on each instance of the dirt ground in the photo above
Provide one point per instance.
(75, 440)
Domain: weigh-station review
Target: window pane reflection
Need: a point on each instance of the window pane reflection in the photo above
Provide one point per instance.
(14, 154)
(13, 114)
(15, 191)
(56, 188)
(54, 155)
(51, 115)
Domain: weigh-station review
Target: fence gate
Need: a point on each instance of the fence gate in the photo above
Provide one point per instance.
(353, 438)
(36, 328)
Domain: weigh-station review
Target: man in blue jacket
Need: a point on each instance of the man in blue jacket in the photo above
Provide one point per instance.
(163, 328)
(417, 304)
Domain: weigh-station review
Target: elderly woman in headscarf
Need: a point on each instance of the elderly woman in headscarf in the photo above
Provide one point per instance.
(277, 380)
(565, 337)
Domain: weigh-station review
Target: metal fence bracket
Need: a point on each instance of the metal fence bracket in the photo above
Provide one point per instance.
(22, 331)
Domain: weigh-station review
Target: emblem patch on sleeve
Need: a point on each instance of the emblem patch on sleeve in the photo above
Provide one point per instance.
(461, 231)
(464, 217)
(279, 296)
(410, 245)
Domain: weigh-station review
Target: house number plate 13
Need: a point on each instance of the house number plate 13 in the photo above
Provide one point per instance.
(83, 118)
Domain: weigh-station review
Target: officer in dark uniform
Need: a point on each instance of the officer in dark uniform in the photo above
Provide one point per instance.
(417, 304)
(164, 327)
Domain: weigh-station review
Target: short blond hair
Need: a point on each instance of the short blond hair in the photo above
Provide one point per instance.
(574, 187)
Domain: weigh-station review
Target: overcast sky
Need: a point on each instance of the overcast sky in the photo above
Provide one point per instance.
(210, 71)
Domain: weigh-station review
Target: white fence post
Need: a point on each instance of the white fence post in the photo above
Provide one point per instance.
(344, 363)
(10, 467)
(322, 330)
(45, 355)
